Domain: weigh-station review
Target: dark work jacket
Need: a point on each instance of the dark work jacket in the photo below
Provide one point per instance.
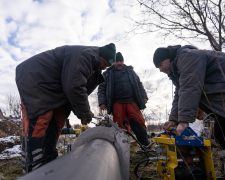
(123, 88)
(106, 89)
(199, 79)
(66, 74)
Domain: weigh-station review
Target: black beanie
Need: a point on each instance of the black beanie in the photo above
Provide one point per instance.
(108, 52)
(160, 55)
(119, 57)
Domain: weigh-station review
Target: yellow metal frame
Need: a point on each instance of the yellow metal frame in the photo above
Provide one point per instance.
(78, 131)
(166, 168)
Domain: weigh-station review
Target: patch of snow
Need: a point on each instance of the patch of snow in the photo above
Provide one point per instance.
(9, 139)
(197, 126)
(71, 136)
(15, 151)
(16, 120)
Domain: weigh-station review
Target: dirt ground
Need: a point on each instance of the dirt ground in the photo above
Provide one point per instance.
(10, 128)
(148, 172)
(11, 169)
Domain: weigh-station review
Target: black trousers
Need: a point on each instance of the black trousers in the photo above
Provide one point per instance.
(219, 126)
(40, 136)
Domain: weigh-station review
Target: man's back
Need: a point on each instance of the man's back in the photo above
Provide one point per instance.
(45, 80)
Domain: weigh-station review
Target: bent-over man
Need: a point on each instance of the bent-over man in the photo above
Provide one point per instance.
(200, 83)
(51, 85)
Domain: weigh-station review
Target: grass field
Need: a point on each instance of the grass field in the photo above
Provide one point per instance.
(11, 169)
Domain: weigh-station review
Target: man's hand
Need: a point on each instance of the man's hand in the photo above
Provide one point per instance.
(103, 106)
(87, 118)
(145, 100)
(181, 127)
(169, 124)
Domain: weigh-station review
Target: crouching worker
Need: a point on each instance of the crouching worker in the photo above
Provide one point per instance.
(51, 85)
(200, 83)
(123, 95)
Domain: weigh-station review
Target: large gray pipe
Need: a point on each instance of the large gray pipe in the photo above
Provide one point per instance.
(95, 160)
(100, 153)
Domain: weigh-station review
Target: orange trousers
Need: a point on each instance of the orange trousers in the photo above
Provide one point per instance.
(128, 115)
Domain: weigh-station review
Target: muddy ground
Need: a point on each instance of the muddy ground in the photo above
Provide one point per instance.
(11, 169)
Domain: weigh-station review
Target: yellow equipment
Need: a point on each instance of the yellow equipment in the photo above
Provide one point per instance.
(83, 127)
(77, 131)
(184, 156)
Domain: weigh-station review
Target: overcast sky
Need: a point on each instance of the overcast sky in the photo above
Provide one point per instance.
(29, 27)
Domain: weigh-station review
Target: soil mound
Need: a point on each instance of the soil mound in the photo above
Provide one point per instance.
(10, 127)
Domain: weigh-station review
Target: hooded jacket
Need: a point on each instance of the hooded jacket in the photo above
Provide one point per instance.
(199, 79)
(66, 74)
(106, 89)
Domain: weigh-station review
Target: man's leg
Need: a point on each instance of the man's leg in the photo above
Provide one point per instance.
(137, 123)
(219, 135)
(119, 114)
(33, 131)
(219, 131)
(52, 134)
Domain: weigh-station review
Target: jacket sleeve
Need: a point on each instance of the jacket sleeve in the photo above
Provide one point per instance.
(102, 94)
(141, 88)
(192, 70)
(174, 111)
(76, 71)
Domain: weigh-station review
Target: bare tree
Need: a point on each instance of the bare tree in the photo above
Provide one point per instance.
(201, 20)
(152, 88)
(13, 108)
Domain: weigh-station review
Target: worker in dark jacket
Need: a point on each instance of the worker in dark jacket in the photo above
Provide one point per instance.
(123, 94)
(200, 83)
(51, 84)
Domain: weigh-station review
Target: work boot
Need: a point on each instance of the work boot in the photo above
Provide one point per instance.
(146, 149)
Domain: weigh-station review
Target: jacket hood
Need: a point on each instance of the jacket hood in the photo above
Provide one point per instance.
(173, 51)
(186, 47)
(176, 49)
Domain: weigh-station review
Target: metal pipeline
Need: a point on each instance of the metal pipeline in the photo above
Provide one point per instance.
(94, 160)
(98, 153)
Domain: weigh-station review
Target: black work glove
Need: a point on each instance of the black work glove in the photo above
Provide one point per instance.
(87, 118)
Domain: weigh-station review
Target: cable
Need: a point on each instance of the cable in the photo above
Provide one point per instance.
(135, 140)
(145, 151)
(137, 166)
(138, 143)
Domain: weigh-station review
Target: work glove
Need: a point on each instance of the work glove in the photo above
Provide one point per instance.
(87, 118)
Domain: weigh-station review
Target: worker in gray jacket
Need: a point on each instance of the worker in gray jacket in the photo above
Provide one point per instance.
(51, 85)
(200, 83)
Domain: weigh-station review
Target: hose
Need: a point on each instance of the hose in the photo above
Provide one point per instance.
(137, 166)
(138, 143)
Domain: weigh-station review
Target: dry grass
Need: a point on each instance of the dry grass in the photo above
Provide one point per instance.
(10, 169)
(149, 172)
(2, 133)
